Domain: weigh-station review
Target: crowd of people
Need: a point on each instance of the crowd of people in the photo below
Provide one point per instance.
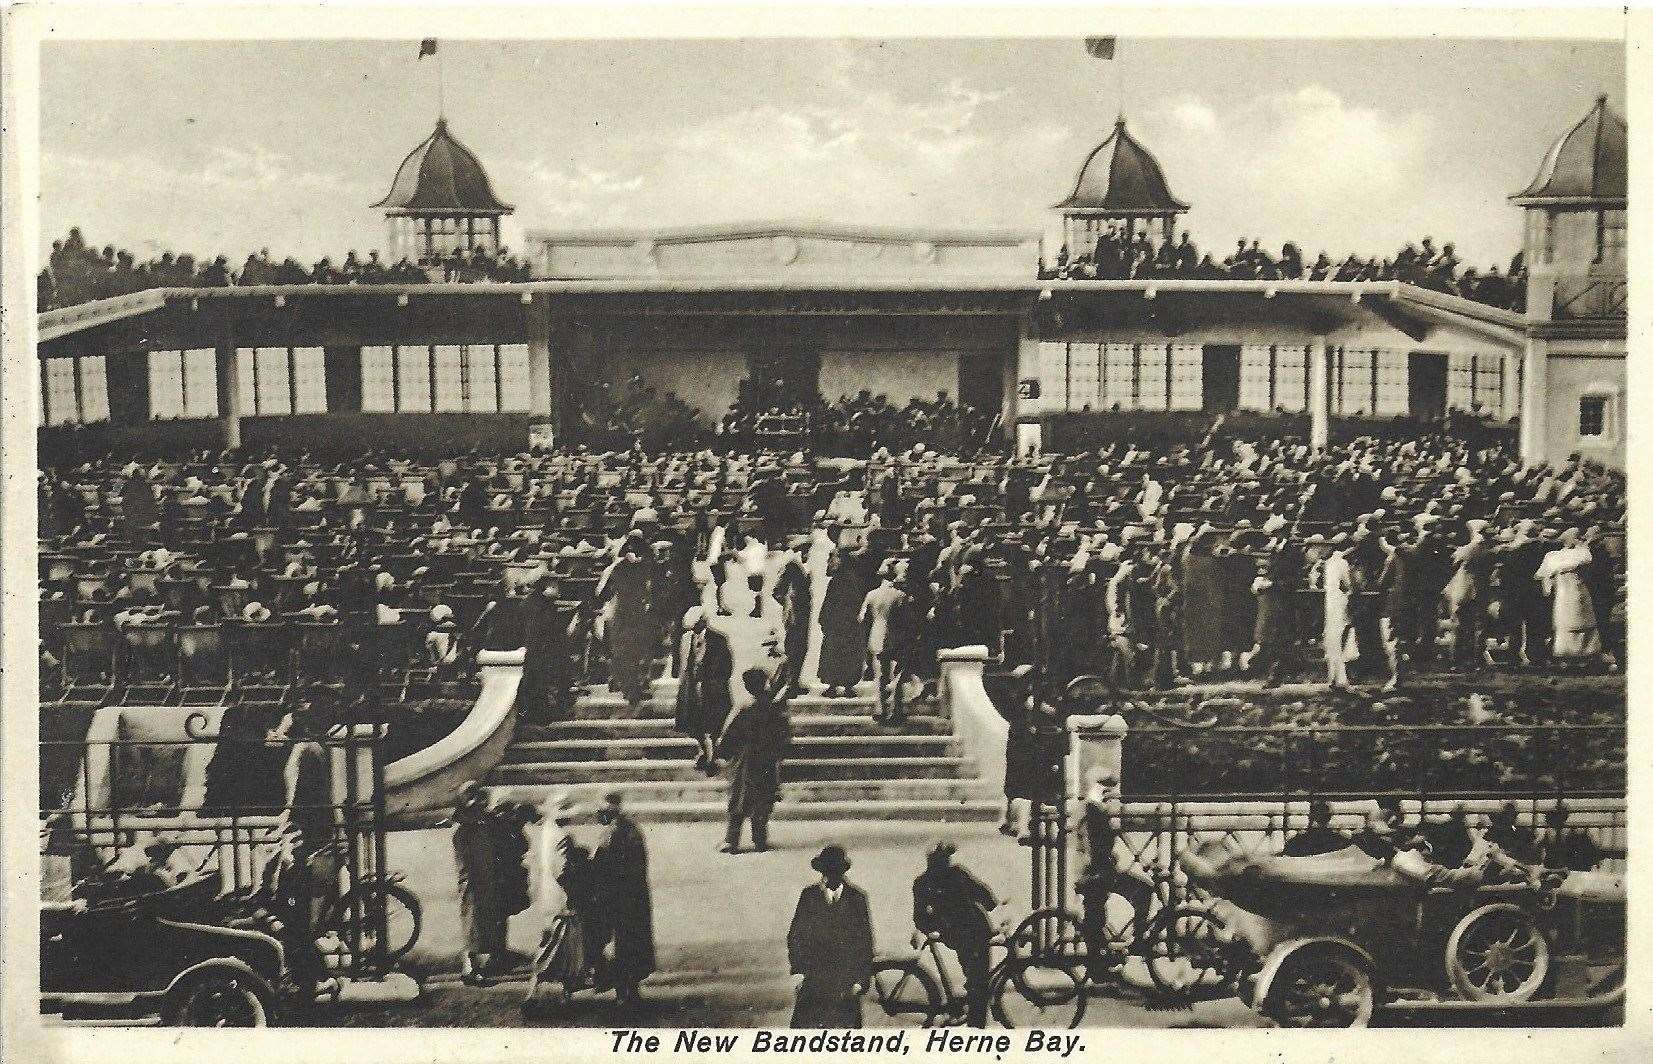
(1360, 564)
(854, 424)
(77, 272)
(1119, 255)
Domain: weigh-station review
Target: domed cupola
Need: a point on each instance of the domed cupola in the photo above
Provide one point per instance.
(441, 201)
(1120, 183)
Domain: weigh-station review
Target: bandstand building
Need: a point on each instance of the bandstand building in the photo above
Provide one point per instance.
(837, 308)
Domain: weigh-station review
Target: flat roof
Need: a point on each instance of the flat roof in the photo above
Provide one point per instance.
(1385, 299)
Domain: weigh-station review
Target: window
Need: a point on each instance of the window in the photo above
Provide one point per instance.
(378, 379)
(1594, 422)
(413, 379)
(94, 389)
(200, 369)
(309, 381)
(166, 384)
(483, 384)
(58, 381)
(450, 377)
(514, 386)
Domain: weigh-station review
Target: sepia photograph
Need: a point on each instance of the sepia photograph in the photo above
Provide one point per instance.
(840, 543)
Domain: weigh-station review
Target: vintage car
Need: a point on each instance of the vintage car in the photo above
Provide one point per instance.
(1337, 938)
(170, 954)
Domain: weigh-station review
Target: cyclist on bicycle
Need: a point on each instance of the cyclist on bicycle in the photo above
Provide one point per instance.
(1110, 869)
(950, 902)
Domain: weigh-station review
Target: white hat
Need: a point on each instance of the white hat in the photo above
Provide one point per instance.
(255, 613)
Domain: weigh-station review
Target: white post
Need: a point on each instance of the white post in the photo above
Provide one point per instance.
(981, 730)
(1512, 384)
(1320, 399)
(1095, 740)
(1534, 394)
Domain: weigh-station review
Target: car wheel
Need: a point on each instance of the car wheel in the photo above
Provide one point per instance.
(1321, 988)
(217, 999)
(1498, 953)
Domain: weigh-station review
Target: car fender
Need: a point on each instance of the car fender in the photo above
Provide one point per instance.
(272, 1000)
(266, 942)
(1264, 979)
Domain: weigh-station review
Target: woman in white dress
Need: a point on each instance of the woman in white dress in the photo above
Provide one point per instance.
(1574, 615)
(1338, 636)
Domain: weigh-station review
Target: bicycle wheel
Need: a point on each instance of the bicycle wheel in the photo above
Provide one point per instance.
(906, 993)
(1048, 933)
(1047, 993)
(404, 919)
(1186, 950)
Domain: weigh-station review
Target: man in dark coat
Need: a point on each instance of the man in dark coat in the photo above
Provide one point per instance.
(704, 698)
(1530, 612)
(951, 902)
(1319, 837)
(622, 865)
(548, 665)
(829, 946)
(754, 742)
(1404, 607)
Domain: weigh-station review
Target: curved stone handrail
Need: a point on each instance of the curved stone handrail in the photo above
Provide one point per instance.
(979, 728)
(427, 782)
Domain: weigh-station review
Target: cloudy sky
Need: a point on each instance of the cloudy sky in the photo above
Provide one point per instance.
(215, 146)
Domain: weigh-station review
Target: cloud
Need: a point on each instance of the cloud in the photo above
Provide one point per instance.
(1290, 165)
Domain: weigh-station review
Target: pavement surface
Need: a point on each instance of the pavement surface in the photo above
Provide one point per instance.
(720, 929)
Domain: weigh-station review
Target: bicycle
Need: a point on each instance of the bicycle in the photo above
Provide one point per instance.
(1022, 991)
(404, 918)
(1185, 946)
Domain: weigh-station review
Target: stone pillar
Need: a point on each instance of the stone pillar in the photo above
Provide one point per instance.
(1320, 397)
(227, 365)
(539, 358)
(1534, 395)
(1026, 365)
(1511, 408)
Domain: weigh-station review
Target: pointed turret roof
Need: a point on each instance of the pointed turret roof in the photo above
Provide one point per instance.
(1585, 167)
(441, 176)
(1122, 177)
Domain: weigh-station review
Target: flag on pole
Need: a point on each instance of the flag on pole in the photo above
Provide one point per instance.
(1100, 47)
(428, 47)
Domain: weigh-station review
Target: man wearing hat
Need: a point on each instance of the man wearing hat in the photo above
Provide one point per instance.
(951, 902)
(829, 946)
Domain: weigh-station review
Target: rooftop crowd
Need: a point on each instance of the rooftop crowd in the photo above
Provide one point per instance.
(1122, 256)
(78, 272)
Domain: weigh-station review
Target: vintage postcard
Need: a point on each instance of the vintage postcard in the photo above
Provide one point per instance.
(839, 533)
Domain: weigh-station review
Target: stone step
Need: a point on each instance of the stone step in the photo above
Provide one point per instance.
(702, 789)
(809, 723)
(816, 769)
(893, 807)
(806, 747)
(611, 706)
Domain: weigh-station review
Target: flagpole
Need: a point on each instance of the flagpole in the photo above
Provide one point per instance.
(441, 110)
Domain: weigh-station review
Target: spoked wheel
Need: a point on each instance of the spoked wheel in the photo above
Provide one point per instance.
(404, 919)
(1187, 950)
(1498, 953)
(906, 993)
(1048, 933)
(1321, 988)
(218, 999)
(1048, 993)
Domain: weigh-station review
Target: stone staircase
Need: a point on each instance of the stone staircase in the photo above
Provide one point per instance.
(841, 765)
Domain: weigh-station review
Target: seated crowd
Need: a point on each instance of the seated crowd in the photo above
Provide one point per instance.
(856, 424)
(1119, 256)
(1196, 563)
(79, 273)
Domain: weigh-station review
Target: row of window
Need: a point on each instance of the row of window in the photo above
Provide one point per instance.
(74, 391)
(461, 378)
(477, 378)
(1362, 382)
